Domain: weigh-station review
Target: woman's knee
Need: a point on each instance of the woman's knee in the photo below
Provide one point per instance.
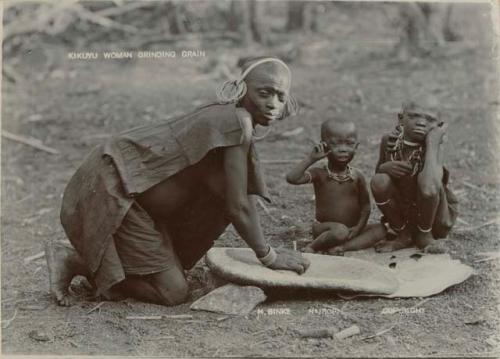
(380, 184)
(172, 288)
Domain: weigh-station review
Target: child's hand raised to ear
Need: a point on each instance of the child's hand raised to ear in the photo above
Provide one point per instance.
(319, 151)
(436, 134)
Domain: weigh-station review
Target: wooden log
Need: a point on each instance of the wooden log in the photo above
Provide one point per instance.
(30, 141)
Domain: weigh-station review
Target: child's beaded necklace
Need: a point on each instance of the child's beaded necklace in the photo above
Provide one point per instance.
(415, 156)
(340, 177)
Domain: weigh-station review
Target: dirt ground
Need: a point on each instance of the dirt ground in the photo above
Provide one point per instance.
(345, 71)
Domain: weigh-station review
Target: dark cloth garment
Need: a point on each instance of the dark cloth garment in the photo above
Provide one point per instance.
(448, 203)
(101, 192)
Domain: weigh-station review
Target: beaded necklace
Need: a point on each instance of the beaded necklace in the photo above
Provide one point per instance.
(340, 177)
(415, 156)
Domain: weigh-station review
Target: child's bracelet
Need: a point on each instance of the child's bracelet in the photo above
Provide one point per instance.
(269, 258)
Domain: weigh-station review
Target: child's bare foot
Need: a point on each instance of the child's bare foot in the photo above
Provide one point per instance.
(308, 249)
(423, 238)
(403, 240)
(336, 251)
(61, 271)
(436, 247)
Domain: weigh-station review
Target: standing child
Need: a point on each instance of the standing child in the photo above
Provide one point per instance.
(410, 184)
(342, 198)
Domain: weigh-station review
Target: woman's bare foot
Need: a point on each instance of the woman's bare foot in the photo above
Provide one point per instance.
(336, 251)
(62, 263)
(403, 240)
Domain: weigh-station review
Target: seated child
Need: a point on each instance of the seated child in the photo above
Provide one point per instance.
(410, 184)
(342, 198)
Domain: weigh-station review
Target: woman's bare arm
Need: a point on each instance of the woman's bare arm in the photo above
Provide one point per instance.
(242, 210)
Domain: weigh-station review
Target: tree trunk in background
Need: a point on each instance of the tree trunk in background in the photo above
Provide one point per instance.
(174, 16)
(302, 15)
(256, 26)
(295, 15)
(423, 26)
(234, 18)
(244, 17)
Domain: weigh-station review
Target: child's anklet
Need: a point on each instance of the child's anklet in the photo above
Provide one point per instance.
(383, 203)
(397, 230)
(424, 230)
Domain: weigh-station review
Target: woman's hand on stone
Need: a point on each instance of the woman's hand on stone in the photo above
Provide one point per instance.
(290, 260)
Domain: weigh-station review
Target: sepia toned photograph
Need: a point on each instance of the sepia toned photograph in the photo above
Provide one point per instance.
(260, 178)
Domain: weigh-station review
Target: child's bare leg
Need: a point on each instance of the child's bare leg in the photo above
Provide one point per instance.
(443, 221)
(427, 204)
(328, 234)
(372, 234)
(386, 197)
(63, 263)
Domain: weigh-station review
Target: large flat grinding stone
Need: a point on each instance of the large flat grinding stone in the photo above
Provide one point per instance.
(240, 265)
(419, 274)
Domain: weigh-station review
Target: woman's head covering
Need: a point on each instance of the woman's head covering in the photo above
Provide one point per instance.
(233, 91)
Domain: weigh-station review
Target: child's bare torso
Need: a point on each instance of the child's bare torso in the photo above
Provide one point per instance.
(337, 202)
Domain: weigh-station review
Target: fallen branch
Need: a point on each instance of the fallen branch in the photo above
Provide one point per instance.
(118, 10)
(473, 186)
(489, 257)
(380, 332)
(34, 257)
(420, 303)
(143, 317)
(488, 223)
(104, 21)
(158, 317)
(463, 221)
(268, 212)
(178, 316)
(95, 308)
(33, 142)
(8, 321)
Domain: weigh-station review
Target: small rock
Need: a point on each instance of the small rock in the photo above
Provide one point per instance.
(33, 307)
(39, 336)
(474, 321)
(35, 117)
(231, 299)
(349, 332)
(317, 333)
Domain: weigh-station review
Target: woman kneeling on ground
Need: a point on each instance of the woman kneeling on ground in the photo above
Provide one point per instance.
(150, 202)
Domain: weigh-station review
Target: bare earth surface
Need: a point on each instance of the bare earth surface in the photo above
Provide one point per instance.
(348, 72)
